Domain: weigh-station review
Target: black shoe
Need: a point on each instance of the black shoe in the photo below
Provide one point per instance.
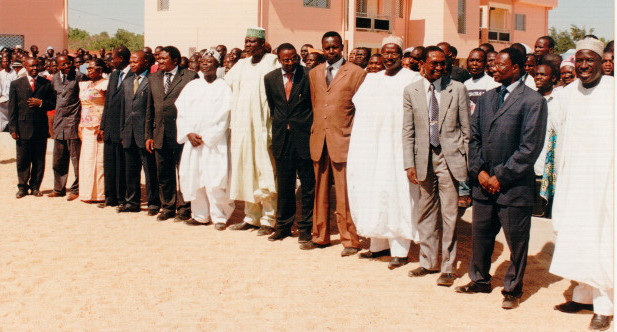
(182, 217)
(21, 193)
(510, 302)
(374, 254)
(242, 226)
(279, 235)
(472, 288)
(421, 272)
(165, 215)
(106, 204)
(220, 226)
(312, 245)
(127, 208)
(153, 212)
(446, 279)
(37, 193)
(193, 222)
(265, 230)
(349, 251)
(600, 322)
(304, 236)
(571, 307)
(56, 194)
(397, 262)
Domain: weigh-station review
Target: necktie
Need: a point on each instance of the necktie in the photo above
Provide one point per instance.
(288, 85)
(502, 96)
(32, 84)
(434, 118)
(136, 83)
(120, 79)
(63, 78)
(329, 75)
(167, 81)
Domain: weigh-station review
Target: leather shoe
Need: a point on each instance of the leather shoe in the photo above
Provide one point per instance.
(181, 217)
(473, 287)
(571, 307)
(600, 322)
(421, 272)
(153, 212)
(265, 230)
(446, 279)
(55, 194)
(312, 245)
(127, 208)
(279, 234)
(165, 215)
(104, 205)
(37, 193)
(349, 251)
(21, 193)
(397, 262)
(304, 236)
(72, 197)
(193, 222)
(510, 302)
(375, 254)
(219, 226)
(242, 226)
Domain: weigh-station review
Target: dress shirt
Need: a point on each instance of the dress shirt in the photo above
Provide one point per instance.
(31, 80)
(292, 76)
(510, 88)
(335, 67)
(125, 71)
(173, 74)
(427, 85)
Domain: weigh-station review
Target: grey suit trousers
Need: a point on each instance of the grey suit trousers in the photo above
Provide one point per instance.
(438, 192)
(65, 150)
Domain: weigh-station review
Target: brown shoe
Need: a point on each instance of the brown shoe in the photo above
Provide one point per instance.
(72, 197)
(265, 230)
(220, 226)
(600, 322)
(421, 272)
(55, 194)
(510, 302)
(37, 193)
(349, 251)
(446, 279)
(312, 245)
(472, 288)
(397, 262)
(242, 226)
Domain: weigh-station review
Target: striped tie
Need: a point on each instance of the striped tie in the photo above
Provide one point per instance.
(434, 118)
(167, 81)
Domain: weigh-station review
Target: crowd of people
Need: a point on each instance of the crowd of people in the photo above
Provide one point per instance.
(406, 136)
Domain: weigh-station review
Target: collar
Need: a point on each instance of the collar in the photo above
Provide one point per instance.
(30, 78)
(337, 64)
(125, 70)
(427, 84)
(143, 74)
(512, 86)
(292, 73)
(173, 72)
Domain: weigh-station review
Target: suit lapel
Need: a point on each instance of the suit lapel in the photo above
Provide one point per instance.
(510, 100)
(296, 82)
(445, 100)
(142, 85)
(340, 74)
(176, 80)
(423, 104)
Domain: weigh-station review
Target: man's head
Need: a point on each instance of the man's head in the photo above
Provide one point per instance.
(34, 50)
(79, 60)
(194, 65)
(235, 55)
(352, 55)
(50, 52)
(169, 58)
(610, 46)
(392, 54)
(508, 66)
(476, 62)
(65, 64)
(544, 45)
(32, 66)
(406, 62)
(287, 57)
(184, 62)
(545, 78)
(416, 57)
(568, 73)
(487, 47)
(530, 64)
(607, 63)
(433, 63)
(375, 63)
(120, 57)
(314, 59)
(362, 56)
(6, 61)
(222, 49)
(490, 62)
(553, 60)
(53, 66)
(332, 45)
(138, 62)
(588, 61)
(147, 50)
(304, 51)
(255, 41)
(446, 48)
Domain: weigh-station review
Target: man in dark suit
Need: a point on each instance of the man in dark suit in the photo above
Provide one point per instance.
(30, 98)
(161, 131)
(507, 134)
(289, 97)
(115, 184)
(67, 145)
(133, 124)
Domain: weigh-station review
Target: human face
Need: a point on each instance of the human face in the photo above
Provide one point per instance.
(208, 65)
(434, 66)
(288, 60)
(416, 57)
(530, 65)
(588, 67)
(222, 50)
(490, 63)
(94, 72)
(333, 49)
(166, 63)
(5, 62)
(476, 63)
(352, 55)
(541, 47)
(253, 45)
(304, 52)
(568, 74)
(53, 67)
(65, 65)
(312, 60)
(79, 61)
(138, 62)
(375, 64)
(361, 58)
(116, 60)
(406, 62)
(544, 78)
(50, 52)
(391, 57)
(505, 72)
(607, 64)
(32, 67)
(34, 50)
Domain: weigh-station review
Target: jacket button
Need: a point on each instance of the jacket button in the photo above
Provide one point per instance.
(325, 116)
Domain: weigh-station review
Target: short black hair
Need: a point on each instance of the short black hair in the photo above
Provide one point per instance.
(555, 71)
(284, 47)
(123, 52)
(609, 46)
(553, 60)
(516, 57)
(430, 49)
(332, 34)
(173, 52)
(520, 47)
(308, 45)
(454, 51)
(551, 41)
(488, 46)
(477, 49)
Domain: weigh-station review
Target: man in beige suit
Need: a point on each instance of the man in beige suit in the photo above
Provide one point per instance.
(332, 84)
(435, 139)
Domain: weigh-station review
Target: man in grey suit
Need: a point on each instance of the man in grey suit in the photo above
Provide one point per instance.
(67, 145)
(435, 139)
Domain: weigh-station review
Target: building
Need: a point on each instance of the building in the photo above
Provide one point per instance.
(193, 25)
(34, 22)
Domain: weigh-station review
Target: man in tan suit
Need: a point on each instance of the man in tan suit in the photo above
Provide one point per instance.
(333, 84)
(435, 140)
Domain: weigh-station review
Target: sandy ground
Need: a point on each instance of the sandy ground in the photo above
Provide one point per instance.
(70, 266)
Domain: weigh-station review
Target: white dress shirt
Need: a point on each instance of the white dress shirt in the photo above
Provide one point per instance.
(292, 75)
(510, 88)
(427, 85)
(335, 67)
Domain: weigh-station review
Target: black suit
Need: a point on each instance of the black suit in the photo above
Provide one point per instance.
(133, 124)
(291, 129)
(30, 123)
(113, 153)
(161, 127)
(505, 142)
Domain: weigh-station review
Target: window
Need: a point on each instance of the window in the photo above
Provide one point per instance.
(316, 3)
(163, 5)
(462, 18)
(361, 6)
(519, 22)
(12, 40)
(399, 8)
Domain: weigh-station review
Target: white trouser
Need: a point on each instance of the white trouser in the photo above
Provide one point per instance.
(399, 247)
(212, 204)
(262, 213)
(602, 299)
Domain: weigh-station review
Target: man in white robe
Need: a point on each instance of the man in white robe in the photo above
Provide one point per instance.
(583, 213)
(252, 170)
(382, 201)
(203, 122)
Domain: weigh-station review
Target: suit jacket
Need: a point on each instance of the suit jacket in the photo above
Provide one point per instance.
(110, 120)
(506, 142)
(133, 119)
(30, 122)
(453, 128)
(333, 110)
(161, 110)
(68, 106)
(291, 119)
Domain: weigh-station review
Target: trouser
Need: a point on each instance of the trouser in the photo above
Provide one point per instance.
(398, 246)
(438, 193)
(136, 158)
(487, 219)
(325, 171)
(287, 166)
(113, 165)
(65, 151)
(167, 162)
(263, 212)
(30, 157)
(602, 299)
(212, 204)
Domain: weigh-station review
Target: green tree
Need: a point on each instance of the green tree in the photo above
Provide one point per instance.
(566, 39)
(81, 38)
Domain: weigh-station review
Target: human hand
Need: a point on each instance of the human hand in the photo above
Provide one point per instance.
(483, 179)
(195, 139)
(150, 145)
(411, 175)
(14, 135)
(99, 135)
(493, 185)
(34, 102)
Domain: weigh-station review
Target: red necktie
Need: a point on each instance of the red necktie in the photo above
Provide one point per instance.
(32, 84)
(288, 85)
